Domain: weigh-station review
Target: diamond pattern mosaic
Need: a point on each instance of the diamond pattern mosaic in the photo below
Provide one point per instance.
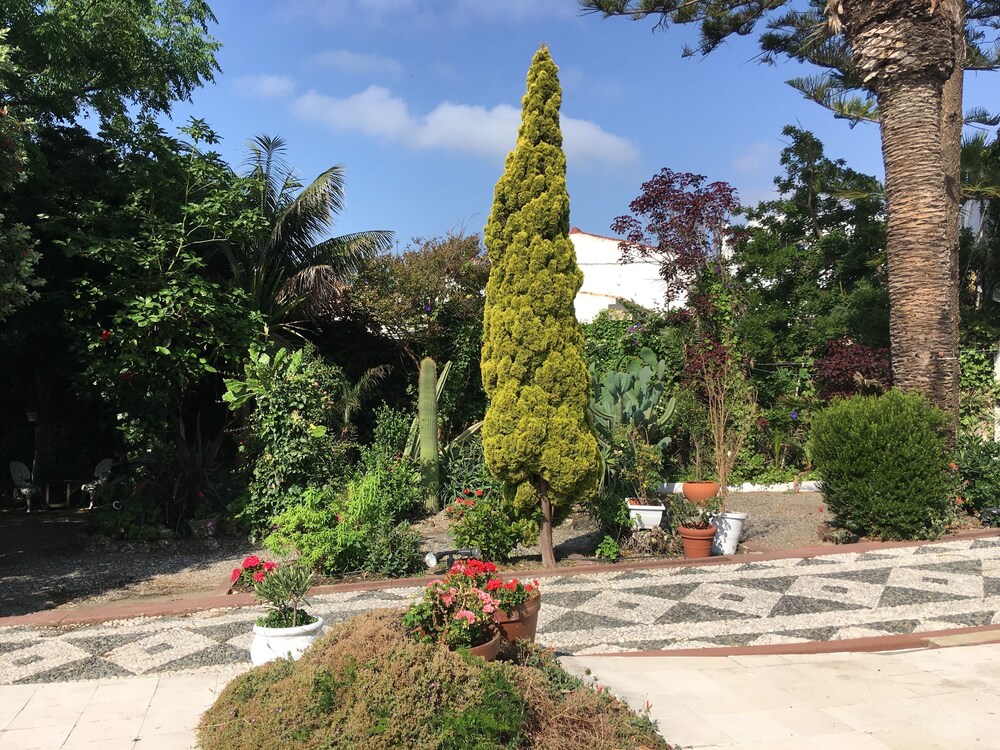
(832, 597)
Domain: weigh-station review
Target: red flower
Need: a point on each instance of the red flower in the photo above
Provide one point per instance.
(479, 493)
(511, 585)
(467, 491)
(126, 376)
(235, 575)
(493, 584)
(201, 493)
(269, 566)
(105, 335)
(251, 562)
(259, 576)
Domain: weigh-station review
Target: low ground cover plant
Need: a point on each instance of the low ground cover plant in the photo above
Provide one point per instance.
(367, 684)
(883, 466)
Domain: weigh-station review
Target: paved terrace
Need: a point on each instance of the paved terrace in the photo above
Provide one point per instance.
(847, 595)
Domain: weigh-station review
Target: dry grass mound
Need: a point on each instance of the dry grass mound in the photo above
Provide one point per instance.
(367, 685)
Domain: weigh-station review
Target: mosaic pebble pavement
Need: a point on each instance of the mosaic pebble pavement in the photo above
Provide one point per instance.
(832, 597)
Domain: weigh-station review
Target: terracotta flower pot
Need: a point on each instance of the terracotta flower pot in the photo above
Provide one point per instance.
(697, 542)
(488, 650)
(521, 622)
(700, 492)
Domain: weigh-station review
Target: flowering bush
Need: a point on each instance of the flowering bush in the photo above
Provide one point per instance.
(484, 575)
(483, 520)
(454, 613)
(458, 610)
(252, 570)
(511, 594)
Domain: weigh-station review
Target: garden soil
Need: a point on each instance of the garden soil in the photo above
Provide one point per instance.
(44, 564)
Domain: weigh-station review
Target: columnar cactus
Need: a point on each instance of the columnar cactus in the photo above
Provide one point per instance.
(427, 417)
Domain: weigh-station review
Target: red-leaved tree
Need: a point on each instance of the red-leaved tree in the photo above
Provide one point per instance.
(680, 221)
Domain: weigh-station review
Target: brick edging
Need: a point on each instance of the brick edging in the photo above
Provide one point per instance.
(221, 600)
(867, 644)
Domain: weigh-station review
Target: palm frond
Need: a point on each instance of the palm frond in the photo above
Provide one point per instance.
(310, 213)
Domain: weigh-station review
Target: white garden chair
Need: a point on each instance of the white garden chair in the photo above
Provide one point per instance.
(102, 473)
(24, 488)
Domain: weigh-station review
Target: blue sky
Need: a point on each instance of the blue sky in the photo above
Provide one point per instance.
(420, 100)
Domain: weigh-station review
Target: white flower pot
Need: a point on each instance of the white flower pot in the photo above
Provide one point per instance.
(645, 516)
(729, 529)
(282, 643)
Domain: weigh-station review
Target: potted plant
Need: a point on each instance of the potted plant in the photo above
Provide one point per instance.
(638, 465)
(691, 414)
(456, 612)
(518, 604)
(729, 529)
(695, 528)
(287, 629)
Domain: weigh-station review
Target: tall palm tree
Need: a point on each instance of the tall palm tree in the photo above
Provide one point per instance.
(290, 271)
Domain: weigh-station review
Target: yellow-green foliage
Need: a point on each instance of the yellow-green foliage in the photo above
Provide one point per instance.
(533, 368)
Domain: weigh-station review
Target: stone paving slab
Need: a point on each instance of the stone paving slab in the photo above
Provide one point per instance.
(943, 699)
(893, 591)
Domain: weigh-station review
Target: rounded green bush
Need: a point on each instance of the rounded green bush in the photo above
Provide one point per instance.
(882, 464)
(367, 684)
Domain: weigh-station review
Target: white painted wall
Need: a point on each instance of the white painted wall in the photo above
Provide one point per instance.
(606, 279)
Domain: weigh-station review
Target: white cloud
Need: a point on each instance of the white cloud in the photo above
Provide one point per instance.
(474, 129)
(265, 86)
(354, 62)
(756, 158)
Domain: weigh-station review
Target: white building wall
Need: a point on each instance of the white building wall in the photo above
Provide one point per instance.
(606, 279)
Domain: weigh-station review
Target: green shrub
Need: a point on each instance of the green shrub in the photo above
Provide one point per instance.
(978, 472)
(882, 465)
(367, 685)
(355, 530)
(483, 518)
(126, 514)
(291, 435)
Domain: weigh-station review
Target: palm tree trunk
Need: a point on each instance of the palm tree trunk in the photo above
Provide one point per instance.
(908, 51)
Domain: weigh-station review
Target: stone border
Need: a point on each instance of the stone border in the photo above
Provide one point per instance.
(968, 636)
(219, 599)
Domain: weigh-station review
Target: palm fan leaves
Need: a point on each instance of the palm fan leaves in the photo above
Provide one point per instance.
(290, 271)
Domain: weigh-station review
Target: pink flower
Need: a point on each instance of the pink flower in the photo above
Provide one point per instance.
(269, 566)
(488, 608)
(235, 575)
(251, 562)
(447, 599)
(464, 614)
(259, 576)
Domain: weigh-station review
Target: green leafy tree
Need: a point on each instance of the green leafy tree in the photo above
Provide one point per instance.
(535, 435)
(118, 58)
(812, 261)
(428, 302)
(155, 314)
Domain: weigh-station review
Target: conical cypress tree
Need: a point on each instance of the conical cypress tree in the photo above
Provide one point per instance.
(535, 434)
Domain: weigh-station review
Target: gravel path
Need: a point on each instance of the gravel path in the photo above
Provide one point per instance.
(44, 566)
(833, 597)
